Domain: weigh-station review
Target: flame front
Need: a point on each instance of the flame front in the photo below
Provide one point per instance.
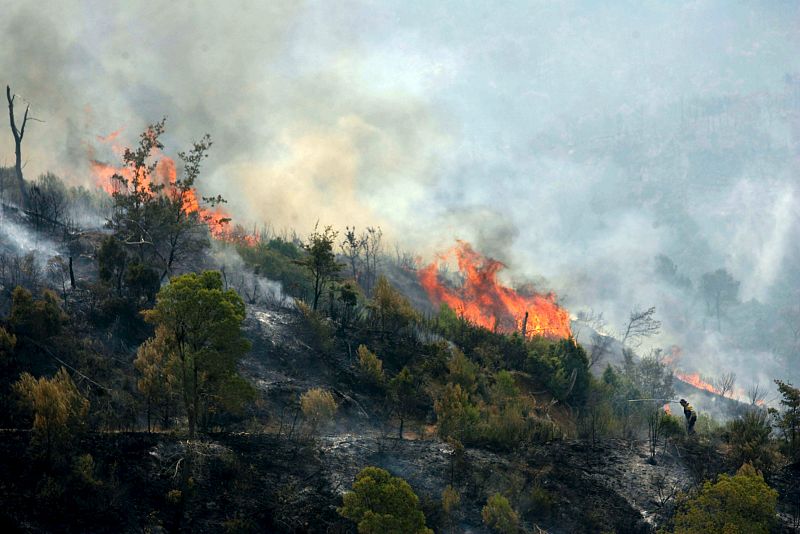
(694, 379)
(482, 300)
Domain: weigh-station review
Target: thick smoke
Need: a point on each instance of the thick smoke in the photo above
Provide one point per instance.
(575, 141)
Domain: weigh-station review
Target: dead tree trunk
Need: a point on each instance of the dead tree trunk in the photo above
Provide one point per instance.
(71, 274)
(18, 133)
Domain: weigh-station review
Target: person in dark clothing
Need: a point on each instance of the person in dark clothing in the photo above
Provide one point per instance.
(691, 416)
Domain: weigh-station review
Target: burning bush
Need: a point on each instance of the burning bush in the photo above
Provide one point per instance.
(482, 300)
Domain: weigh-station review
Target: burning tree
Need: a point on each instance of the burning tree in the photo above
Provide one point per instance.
(157, 213)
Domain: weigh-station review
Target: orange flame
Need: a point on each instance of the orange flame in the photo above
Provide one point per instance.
(482, 300)
(693, 379)
(165, 174)
(667, 409)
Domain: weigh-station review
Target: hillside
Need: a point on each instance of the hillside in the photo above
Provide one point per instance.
(169, 372)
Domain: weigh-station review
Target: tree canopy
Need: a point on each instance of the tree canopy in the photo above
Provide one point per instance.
(202, 322)
(383, 504)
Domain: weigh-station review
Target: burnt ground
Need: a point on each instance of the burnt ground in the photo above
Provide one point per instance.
(270, 478)
(280, 485)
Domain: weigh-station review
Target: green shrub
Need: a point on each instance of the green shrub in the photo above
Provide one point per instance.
(542, 501)
(499, 516)
(318, 407)
(370, 365)
(37, 318)
(380, 503)
(58, 408)
(456, 415)
(739, 504)
(320, 328)
(749, 438)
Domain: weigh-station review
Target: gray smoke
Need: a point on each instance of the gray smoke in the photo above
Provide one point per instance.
(575, 141)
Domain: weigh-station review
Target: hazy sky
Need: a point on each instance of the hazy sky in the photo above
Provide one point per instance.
(573, 140)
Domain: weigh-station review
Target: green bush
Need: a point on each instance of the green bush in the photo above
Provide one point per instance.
(37, 318)
(380, 503)
(318, 407)
(456, 415)
(542, 501)
(371, 366)
(739, 504)
(319, 326)
(59, 410)
(564, 366)
(499, 516)
(276, 260)
(749, 438)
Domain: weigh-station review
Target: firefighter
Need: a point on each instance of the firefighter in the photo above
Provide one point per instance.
(691, 416)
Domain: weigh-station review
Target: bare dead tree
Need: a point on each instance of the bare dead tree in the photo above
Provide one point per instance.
(373, 249)
(593, 320)
(641, 324)
(756, 394)
(19, 134)
(404, 259)
(59, 274)
(351, 248)
(724, 383)
(599, 348)
(20, 270)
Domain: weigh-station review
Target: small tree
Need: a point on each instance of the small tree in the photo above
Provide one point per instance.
(391, 309)
(499, 516)
(451, 500)
(19, 133)
(455, 414)
(380, 503)
(788, 421)
(372, 246)
(36, 318)
(318, 407)
(370, 365)
(403, 395)
(462, 371)
(320, 261)
(59, 410)
(739, 504)
(725, 383)
(719, 289)
(202, 322)
(156, 363)
(756, 394)
(156, 212)
(111, 262)
(749, 437)
(7, 343)
(351, 248)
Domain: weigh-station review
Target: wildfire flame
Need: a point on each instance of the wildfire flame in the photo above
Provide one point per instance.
(482, 300)
(694, 379)
(667, 409)
(165, 173)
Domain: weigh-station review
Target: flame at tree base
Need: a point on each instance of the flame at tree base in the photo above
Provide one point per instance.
(482, 300)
